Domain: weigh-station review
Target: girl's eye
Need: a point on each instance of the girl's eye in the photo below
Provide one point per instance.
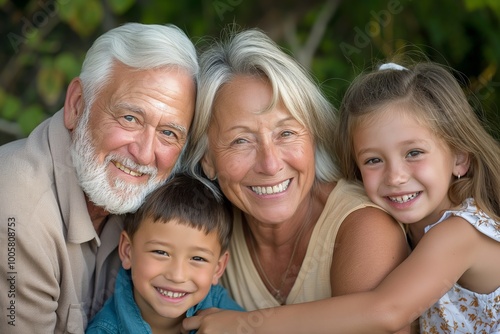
(199, 258)
(414, 153)
(372, 161)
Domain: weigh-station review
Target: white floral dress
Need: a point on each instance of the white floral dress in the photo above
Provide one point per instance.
(461, 310)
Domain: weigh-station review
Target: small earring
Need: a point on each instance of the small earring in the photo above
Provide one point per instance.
(458, 176)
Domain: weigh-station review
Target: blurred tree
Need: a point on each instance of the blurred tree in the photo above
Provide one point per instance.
(45, 41)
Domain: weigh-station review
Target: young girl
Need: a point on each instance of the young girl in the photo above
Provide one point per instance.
(412, 138)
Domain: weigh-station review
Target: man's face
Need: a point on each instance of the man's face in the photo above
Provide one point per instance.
(135, 132)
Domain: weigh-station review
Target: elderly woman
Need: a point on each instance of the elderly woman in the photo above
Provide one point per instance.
(301, 234)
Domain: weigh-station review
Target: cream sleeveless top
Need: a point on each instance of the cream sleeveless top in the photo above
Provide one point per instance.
(313, 281)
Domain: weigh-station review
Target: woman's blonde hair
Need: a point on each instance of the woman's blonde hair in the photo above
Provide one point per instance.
(251, 52)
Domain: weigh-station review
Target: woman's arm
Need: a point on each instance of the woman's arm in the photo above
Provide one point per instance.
(369, 245)
(439, 260)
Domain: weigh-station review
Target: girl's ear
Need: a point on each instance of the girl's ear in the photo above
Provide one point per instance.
(221, 266)
(462, 164)
(208, 166)
(125, 250)
(73, 104)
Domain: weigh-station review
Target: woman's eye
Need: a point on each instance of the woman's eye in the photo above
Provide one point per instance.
(286, 133)
(240, 141)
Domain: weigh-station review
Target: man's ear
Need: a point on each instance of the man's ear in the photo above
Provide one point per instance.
(73, 104)
(221, 267)
(462, 164)
(208, 166)
(125, 250)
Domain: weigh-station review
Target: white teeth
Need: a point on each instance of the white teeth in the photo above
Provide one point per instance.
(272, 190)
(126, 170)
(171, 294)
(404, 198)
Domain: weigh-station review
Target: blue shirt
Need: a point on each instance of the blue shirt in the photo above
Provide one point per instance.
(120, 314)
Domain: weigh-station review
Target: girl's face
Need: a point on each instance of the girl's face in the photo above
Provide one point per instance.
(264, 160)
(406, 169)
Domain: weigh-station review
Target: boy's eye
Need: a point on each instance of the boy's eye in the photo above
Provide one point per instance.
(160, 252)
(199, 258)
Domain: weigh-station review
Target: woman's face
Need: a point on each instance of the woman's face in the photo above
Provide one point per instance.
(264, 160)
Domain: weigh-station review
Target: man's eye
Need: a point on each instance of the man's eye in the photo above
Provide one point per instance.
(129, 118)
(168, 133)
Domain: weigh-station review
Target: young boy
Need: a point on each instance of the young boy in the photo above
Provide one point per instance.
(173, 252)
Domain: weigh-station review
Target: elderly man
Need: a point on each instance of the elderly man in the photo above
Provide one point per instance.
(64, 189)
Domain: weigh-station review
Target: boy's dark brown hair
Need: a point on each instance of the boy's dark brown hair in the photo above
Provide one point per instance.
(187, 201)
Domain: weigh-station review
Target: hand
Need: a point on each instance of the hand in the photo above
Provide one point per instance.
(216, 321)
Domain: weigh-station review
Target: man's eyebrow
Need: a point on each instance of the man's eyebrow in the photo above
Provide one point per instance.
(131, 107)
(180, 128)
(139, 110)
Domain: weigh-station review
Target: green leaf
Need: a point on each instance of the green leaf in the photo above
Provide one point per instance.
(49, 83)
(120, 6)
(30, 118)
(69, 10)
(83, 16)
(11, 107)
(68, 64)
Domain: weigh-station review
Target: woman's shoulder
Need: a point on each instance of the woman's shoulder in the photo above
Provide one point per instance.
(350, 194)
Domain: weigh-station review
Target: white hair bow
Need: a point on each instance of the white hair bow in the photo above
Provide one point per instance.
(392, 66)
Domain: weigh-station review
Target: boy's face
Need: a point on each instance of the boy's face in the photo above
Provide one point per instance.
(173, 267)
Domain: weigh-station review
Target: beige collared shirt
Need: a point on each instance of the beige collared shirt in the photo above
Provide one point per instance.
(56, 272)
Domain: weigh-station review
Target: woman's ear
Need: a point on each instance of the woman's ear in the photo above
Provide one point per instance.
(125, 250)
(221, 267)
(73, 104)
(208, 166)
(462, 164)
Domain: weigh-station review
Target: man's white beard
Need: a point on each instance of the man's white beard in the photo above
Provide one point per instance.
(115, 196)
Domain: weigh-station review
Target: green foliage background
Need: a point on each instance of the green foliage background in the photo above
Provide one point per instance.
(44, 42)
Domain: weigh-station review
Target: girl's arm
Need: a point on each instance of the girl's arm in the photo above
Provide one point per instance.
(439, 260)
